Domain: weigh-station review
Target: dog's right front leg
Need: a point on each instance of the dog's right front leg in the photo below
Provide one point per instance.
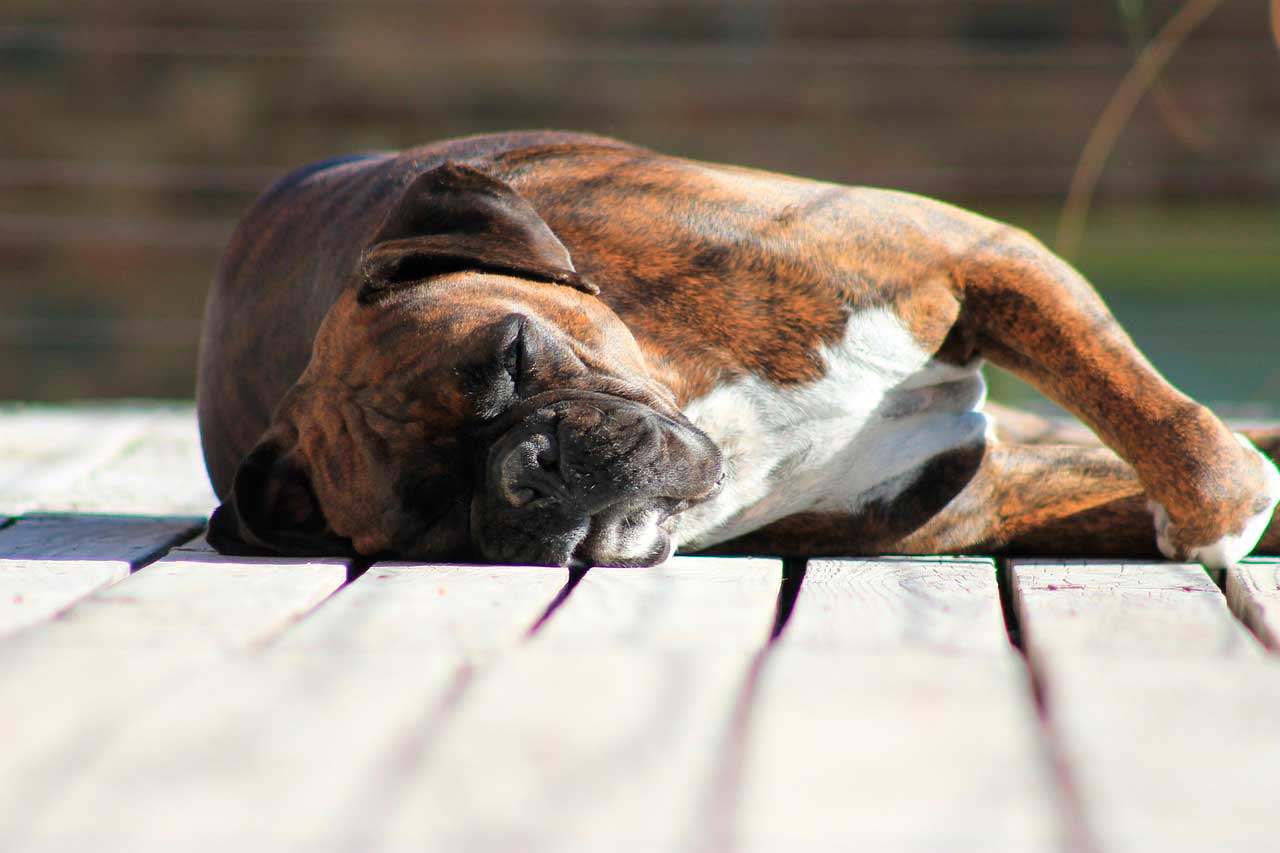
(1028, 311)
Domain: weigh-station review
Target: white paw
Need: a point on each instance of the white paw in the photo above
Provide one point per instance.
(1232, 548)
(1161, 517)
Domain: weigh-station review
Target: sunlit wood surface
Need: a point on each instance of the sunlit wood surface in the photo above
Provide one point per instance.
(157, 696)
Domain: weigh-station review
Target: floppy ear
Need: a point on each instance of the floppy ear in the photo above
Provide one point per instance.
(272, 509)
(456, 218)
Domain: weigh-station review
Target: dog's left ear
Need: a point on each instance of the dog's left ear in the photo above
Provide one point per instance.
(272, 509)
(455, 218)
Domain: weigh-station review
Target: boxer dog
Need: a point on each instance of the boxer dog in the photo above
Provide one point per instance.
(551, 348)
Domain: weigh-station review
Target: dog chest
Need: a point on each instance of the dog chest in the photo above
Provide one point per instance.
(882, 408)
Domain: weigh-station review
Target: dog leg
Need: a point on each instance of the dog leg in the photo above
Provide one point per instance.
(1017, 426)
(1028, 311)
(1041, 500)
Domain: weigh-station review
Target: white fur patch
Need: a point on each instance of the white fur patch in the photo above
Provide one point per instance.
(1160, 516)
(883, 408)
(1232, 548)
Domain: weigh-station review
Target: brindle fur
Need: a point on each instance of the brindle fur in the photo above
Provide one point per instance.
(718, 272)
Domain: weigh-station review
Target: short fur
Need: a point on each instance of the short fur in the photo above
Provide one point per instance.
(551, 347)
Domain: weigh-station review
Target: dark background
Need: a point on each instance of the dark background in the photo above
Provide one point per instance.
(133, 132)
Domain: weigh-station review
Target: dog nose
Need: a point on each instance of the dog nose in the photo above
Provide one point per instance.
(530, 471)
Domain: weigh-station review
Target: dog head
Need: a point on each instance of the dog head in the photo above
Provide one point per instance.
(470, 398)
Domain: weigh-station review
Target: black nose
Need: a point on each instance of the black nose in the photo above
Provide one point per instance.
(590, 472)
(530, 471)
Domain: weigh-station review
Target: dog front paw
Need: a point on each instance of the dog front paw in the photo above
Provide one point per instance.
(1234, 545)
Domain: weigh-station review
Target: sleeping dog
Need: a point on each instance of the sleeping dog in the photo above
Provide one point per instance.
(552, 348)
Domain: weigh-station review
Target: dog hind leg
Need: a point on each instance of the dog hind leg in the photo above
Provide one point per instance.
(1001, 499)
(1017, 426)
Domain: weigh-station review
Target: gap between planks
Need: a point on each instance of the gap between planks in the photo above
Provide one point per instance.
(1158, 700)
(626, 696)
(577, 719)
(70, 685)
(47, 563)
(257, 738)
(871, 724)
(604, 672)
(1253, 591)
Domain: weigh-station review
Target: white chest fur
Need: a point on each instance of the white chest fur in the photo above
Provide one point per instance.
(882, 409)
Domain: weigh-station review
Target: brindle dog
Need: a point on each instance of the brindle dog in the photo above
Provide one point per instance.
(550, 348)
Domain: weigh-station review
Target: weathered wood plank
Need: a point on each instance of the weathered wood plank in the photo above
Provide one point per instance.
(1253, 591)
(561, 750)
(892, 714)
(321, 725)
(43, 449)
(379, 719)
(196, 604)
(468, 610)
(1158, 701)
(894, 752)
(159, 470)
(1170, 754)
(1147, 609)
(186, 604)
(941, 604)
(688, 603)
(626, 698)
(70, 688)
(289, 751)
(49, 562)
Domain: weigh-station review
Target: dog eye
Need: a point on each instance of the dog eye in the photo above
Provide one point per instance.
(513, 355)
(511, 360)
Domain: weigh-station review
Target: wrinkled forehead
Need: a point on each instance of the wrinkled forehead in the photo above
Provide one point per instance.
(419, 359)
(467, 319)
(452, 310)
(466, 302)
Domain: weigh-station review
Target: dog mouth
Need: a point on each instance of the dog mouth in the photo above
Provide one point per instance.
(592, 479)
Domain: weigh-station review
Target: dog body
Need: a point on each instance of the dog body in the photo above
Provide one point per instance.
(856, 435)
(547, 347)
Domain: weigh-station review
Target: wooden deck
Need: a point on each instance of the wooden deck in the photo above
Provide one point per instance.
(157, 696)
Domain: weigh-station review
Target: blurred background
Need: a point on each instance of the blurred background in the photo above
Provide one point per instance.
(132, 133)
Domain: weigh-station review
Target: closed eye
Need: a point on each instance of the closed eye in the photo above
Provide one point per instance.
(514, 355)
(493, 382)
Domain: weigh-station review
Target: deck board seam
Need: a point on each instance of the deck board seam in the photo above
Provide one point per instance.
(728, 773)
(1245, 604)
(1067, 794)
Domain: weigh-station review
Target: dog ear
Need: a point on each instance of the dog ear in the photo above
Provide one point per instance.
(272, 509)
(454, 218)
